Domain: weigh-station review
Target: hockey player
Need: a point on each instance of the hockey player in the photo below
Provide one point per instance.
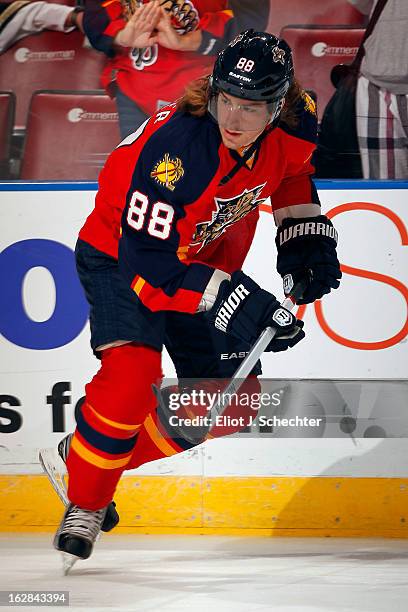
(180, 197)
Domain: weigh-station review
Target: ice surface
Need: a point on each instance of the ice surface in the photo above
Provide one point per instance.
(215, 574)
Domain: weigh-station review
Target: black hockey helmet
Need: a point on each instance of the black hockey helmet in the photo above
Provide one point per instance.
(257, 67)
(254, 66)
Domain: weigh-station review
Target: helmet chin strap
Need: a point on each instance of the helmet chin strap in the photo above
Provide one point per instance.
(247, 155)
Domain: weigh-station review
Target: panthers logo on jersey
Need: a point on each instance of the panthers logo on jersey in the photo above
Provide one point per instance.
(228, 212)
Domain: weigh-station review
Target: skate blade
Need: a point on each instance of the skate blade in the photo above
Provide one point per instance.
(68, 562)
(54, 468)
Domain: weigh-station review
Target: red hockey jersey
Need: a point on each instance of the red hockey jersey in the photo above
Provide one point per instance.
(155, 76)
(178, 222)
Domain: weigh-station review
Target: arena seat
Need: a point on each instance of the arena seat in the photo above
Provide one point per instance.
(305, 12)
(49, 60)
(316, 49)
(7, 112)
(69, 135)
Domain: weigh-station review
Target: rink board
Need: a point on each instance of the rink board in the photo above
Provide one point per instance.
(358, 332)
(339, 507)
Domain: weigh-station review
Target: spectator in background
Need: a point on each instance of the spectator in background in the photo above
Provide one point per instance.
(382, 93)
(147, 68)
(22, 18)
(143, 73)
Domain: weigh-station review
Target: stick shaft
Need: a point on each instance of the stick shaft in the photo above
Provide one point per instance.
(246, 366)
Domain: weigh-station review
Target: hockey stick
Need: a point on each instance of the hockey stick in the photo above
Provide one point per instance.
(258, 348)
(268, 334)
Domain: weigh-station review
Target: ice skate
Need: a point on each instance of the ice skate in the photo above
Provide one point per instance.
(77, 534)
(53, 463)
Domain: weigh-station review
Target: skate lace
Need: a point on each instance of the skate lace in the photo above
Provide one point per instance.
(86, 523)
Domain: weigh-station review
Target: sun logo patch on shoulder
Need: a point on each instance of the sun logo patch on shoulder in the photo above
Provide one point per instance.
(310, 104)
(168, 171)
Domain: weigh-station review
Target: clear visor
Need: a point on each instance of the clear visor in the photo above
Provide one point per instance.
(242, 115)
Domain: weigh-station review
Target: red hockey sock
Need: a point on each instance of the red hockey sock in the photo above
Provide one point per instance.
(117, 401)
(154, 443)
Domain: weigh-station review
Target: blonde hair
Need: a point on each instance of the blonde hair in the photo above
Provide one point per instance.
(197, 93)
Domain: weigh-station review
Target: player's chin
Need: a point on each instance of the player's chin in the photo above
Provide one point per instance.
(235, 140)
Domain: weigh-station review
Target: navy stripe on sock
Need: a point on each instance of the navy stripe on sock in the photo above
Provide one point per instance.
(104, 443)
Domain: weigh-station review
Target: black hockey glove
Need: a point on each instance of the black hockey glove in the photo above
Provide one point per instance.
(307, 249)
(244, 310)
